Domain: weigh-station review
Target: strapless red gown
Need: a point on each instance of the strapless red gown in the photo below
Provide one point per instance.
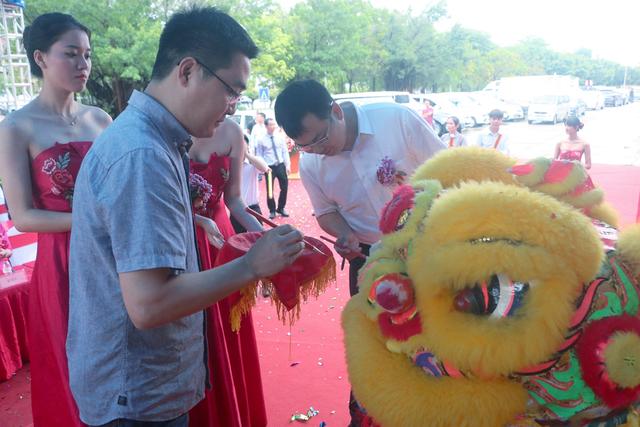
(53, 173)
(236, 398)
(571, 155)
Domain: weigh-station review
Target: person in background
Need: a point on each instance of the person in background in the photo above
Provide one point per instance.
(41, 148)
(252, 167)
(574, 147)
(136, 341)
(427, 114)
(259, 129)
(492, 137)
(273, 150)
(233, 356)
(453, 137)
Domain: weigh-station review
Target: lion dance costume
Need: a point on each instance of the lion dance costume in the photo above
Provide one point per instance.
(499, 295)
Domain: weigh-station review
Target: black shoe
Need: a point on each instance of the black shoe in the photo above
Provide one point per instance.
(272, 215)
(284, 213)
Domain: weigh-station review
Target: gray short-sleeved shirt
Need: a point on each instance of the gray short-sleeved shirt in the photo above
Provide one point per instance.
(132, 211)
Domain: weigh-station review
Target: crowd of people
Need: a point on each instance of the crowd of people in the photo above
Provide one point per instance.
(128, 304)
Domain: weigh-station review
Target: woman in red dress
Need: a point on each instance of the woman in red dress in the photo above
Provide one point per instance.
(41, 148)
(236, 398)
(574, 147)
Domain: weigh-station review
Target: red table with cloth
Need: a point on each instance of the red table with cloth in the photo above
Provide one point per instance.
(14, 297)
(14, 300)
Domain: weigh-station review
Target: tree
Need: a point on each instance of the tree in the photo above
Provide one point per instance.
(267, 24)
(329, 40)
(348, 45)
(505, 63)
(124, 40)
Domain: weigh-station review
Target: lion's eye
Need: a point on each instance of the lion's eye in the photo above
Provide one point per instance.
(497, 297)
(392, 292)
(402, 220)
(396, 213)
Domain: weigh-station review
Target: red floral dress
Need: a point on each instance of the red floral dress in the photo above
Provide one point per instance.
(236, 398)
(53, 173)
(571, 155)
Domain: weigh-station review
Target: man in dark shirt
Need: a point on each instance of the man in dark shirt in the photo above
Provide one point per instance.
(135, 343)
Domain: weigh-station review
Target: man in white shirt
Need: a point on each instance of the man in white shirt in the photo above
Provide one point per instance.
(273, 150)
(493, 138)
(259, 129)
(343, 146)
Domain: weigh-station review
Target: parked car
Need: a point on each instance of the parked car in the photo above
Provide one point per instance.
(549, 108)
(244, 103)
(577, 106)
(361, 98)
(405, 98)
(246, 119)
(446, 108)
(594, 99)
(489, 102)
(469, 107)
(612, 98)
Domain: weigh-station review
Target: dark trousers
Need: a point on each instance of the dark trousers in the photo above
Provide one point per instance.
(354, 267)
(238, 228)
(279, 172)
(355, 410)
(181, 421)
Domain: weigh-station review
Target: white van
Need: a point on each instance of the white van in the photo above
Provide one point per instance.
(413, 101)
(549, 108)
(361, 98)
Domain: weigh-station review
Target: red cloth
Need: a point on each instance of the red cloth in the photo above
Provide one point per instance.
(287, 283)
(14, 347)
(236, 398)
(52, 173)
(558, 171)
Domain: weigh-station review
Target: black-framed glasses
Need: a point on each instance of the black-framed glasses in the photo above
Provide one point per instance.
(232, 94)
(317, 142)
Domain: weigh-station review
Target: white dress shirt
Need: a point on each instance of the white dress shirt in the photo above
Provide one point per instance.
(487, 139)
(257, 131)
(347, 182)
(264, 149)
(250, 190)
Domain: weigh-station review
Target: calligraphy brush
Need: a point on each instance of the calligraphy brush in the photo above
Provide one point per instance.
(273, 225)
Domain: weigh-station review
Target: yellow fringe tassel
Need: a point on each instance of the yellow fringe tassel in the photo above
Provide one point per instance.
(312, 287)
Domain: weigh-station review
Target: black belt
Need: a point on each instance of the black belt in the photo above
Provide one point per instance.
(364, 248)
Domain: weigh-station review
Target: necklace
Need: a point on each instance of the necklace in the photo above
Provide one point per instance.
(71, 120)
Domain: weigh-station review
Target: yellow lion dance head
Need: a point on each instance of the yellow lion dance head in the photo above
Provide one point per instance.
(491, 301)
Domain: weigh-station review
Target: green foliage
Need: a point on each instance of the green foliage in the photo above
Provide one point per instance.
(124, 39)
(348, 45)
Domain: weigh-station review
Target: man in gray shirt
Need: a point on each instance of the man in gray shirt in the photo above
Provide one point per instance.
(136, 344)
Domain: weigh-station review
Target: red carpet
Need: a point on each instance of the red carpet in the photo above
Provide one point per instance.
(304, 366)
(621, 185)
